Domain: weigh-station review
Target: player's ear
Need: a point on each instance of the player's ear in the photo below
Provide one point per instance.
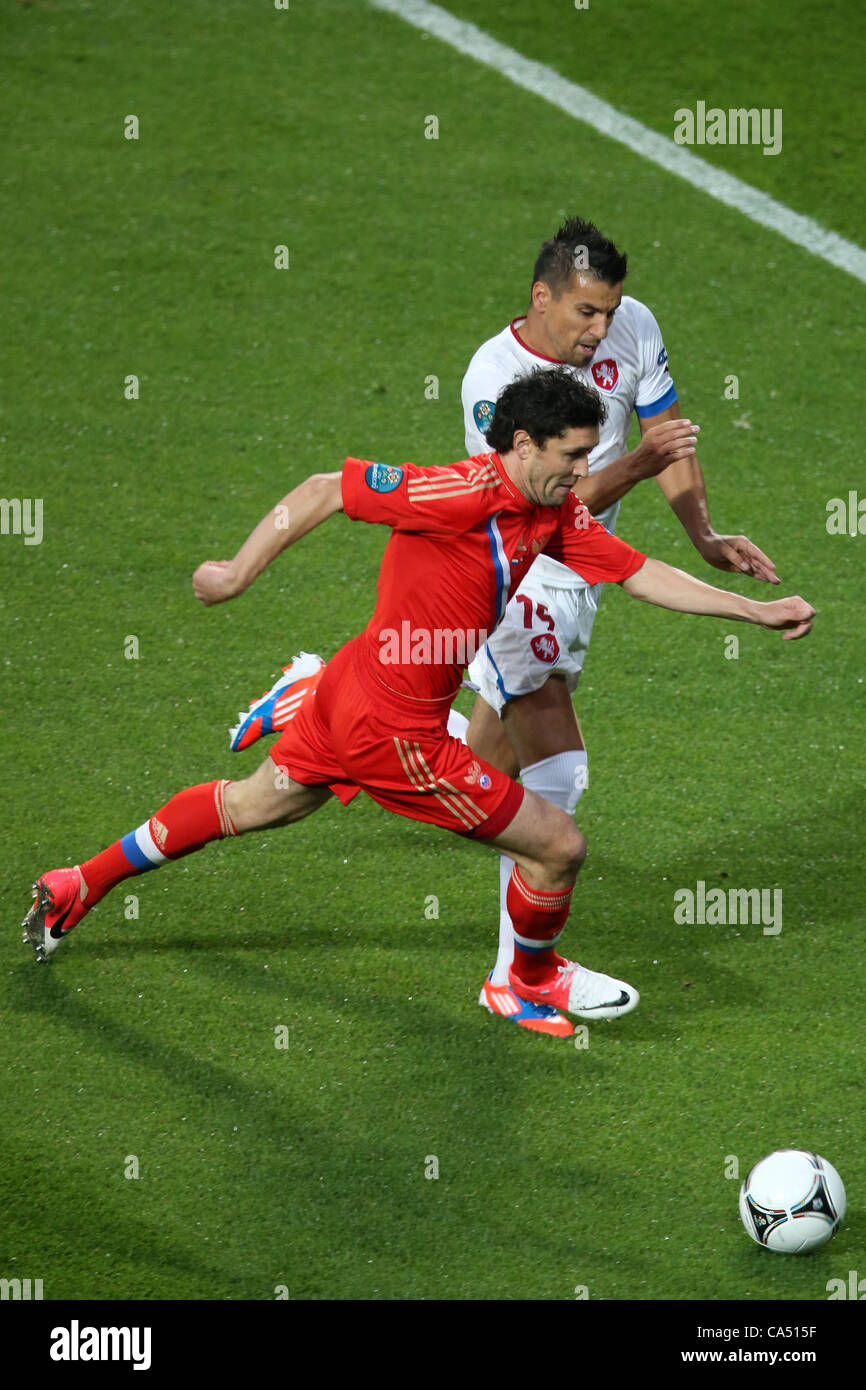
(540, 296)
(520, 441)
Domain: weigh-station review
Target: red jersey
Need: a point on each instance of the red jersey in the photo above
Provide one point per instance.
(463, 539)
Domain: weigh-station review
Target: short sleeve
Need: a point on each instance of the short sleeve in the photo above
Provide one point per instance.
(655, 389)
(583, 544)
(406, 497)
(481, 386)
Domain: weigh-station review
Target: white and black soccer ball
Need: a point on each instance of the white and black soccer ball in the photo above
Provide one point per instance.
(792, 1201)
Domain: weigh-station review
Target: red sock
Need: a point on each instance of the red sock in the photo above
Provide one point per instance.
(538, 919)
(186, 823)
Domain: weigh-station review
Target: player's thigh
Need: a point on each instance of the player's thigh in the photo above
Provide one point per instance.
(270, 797)
(543, 723)
(544, 841)
(487, 738)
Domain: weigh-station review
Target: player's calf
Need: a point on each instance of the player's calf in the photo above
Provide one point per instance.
(190, 820)
(270, 797)
(540, 975)
(547, 844)
(549, 849)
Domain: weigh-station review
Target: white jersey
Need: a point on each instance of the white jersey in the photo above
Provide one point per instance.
(629, 371)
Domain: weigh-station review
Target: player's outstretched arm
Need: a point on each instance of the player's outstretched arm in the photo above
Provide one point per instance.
(682, 483)
(299, 512)
(656, 582)
(661, 446)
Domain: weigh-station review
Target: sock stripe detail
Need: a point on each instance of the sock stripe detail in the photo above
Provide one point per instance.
(140, 849)
(144, 838)
(548, 902)
(536, 945)
(227, 826)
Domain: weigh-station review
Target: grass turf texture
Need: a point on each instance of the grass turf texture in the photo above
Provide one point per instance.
(154, 1037)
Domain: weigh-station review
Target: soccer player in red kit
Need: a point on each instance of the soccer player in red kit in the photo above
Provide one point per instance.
(462, 537)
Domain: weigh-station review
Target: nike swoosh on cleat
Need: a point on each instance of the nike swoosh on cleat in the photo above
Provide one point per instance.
(611, 1003)
(57, 930)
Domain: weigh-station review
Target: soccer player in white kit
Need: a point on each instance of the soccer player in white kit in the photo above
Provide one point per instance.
(524, 720)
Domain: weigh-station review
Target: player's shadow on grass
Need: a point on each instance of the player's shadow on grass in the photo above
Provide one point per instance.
(343, 1174)
(639, 921)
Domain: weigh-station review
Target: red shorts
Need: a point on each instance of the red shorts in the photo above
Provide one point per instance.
(352, 733)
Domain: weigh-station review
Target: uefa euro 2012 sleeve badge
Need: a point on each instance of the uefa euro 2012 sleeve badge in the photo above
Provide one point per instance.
(382, 477)
(482, 414)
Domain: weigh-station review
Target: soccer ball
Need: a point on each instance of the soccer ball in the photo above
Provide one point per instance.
(792, 1201)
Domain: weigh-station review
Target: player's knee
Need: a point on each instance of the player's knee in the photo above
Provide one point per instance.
(577, 848)
(568, 850)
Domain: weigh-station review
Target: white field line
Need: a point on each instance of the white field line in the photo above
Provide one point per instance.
(576, 101)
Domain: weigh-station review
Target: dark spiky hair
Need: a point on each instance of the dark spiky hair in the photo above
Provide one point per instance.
(578, 245)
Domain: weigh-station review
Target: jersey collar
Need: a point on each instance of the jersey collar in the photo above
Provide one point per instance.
(521, 319)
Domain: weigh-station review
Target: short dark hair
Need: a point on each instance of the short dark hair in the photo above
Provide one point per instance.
(546, 403)
(574, 245)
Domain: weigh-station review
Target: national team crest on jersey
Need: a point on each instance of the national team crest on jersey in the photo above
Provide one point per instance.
(474, 774)
(545, 647)
(605, 374)
(382, 477)
(482, 414)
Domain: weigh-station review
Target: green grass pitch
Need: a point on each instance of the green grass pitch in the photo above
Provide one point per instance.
(153, 1038)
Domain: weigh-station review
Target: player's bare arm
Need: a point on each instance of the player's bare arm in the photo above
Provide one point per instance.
(298, 513)
(683, 485)
(667, 587)
(663, 444)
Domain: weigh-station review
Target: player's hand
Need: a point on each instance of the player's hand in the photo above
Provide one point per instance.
(663, 444)
(794, 614)
(737, 553)
(215, 581)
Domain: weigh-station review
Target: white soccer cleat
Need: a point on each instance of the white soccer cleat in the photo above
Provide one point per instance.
(280, 704)
(57, 908)
(576, 990)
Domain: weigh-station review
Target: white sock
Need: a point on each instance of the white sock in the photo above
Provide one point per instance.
(561, 779)
(457, 724)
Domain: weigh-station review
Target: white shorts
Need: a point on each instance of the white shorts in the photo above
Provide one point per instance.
(545, 632)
